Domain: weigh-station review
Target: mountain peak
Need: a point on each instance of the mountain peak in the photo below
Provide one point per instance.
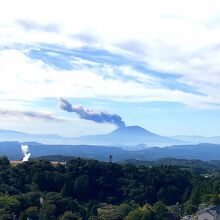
(132, 130)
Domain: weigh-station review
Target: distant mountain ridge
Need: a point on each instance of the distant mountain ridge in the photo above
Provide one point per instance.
(204, 152)
(133, 137)
(198, 139)
(11, 134)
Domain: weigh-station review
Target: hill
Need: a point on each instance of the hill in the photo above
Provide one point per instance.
(87, 188)
(204, 152)
(197, 166)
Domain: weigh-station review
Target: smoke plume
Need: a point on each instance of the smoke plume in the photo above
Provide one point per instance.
(25, 152)
(88, 114)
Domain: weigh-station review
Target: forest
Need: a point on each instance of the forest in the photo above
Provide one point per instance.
(92, 190)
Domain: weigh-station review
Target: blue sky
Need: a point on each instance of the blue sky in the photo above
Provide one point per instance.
(158, 68)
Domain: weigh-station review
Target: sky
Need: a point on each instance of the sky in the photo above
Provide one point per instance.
(88, 67)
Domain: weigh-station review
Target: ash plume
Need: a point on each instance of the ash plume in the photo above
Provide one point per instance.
(88, 114)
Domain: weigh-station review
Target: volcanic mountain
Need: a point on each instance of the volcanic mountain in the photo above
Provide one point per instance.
(127, 136)
(124, 136)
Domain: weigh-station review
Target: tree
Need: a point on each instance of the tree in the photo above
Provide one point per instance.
(195, 196)
(91, 210)
(69, 216)
(93, 218)
(4, 161)
(109, 212)
(124, 209)
(207, 199)
(68, 188)
(148, 212)
(31, 213)
(82, 187)
(135, 215)
(169, 195)
(160, 210)
(48, 211)
(144, 213)
(6, 217)
(215, 199)
(186, 194)
(189, 208)
(9, 203)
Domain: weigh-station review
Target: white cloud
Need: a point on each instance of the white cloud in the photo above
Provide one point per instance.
(175, 37)
(25, 79)
(28, 115)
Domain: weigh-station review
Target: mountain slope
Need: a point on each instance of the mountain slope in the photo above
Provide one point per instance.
(130, 135)
(9, 135)
(199, 139)
(133, 137)
(200, 151)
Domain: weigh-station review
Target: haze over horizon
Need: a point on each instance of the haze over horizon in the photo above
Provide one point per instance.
(80, 68)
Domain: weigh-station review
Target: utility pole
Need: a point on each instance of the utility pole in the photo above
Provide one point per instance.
(110, 158)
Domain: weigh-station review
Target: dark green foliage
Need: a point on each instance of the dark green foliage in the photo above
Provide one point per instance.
(144, 213)
(9, 204)
(69, 216)
(189, 208)
(197, 166)
(4, 161)
(68, 188)
(81, 187)
(91, 210)
(215, 199)
(91, 190)
(206, 199)
(48, 211)
(32, 213)
(109, 212)
(123, 209)
(186, 195)
(160, 211)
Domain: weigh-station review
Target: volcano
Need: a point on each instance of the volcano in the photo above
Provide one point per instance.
(127, 136)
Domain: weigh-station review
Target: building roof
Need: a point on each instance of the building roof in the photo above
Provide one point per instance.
(213, 210)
